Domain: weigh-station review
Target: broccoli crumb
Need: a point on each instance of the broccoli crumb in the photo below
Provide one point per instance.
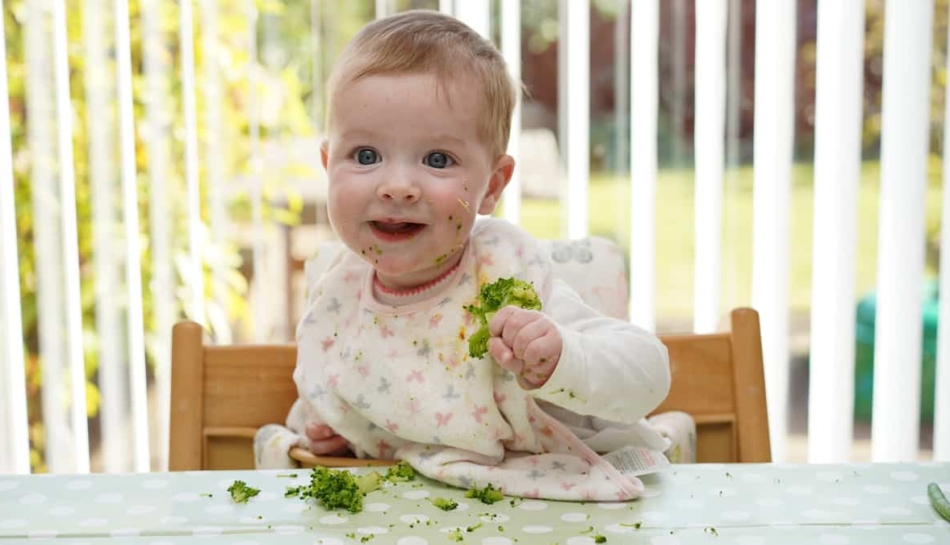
(289, 475)
(445, 504)
(634, 525)
(487, 495)
(473, 527)
(456, 535)
(206, 495)
(241, 492)
(588, 530)
(710, 530)
(599, 538)
(400, 472)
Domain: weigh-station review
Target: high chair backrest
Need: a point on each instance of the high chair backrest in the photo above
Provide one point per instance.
(222, 394)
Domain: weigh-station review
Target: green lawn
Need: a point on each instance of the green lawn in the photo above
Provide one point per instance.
(609, 204)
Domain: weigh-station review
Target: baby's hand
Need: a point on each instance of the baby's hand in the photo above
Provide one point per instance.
(324, 441)
(526, 342)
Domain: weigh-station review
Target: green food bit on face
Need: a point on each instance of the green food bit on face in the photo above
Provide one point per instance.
(710, 530)
(492, 298)
(501, 528)
(337, 489)
(400, 472)
(364, 539)
(445, 504)
(289, 475)
(456, 535)
(599, 538)
(634, 525)
(206, 495)
(240, 492)
(487, 495)
(473, 527)
(588, 530)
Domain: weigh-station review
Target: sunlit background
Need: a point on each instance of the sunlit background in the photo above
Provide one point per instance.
(165, 166)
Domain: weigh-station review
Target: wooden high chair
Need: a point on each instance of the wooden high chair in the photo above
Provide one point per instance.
(221, 395)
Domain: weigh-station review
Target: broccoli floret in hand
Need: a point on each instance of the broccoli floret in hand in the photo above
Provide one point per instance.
(492, 298)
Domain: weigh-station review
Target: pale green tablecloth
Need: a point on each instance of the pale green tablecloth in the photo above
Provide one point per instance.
(708, 504)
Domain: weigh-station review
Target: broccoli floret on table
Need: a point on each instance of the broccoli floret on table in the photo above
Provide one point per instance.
(487, 495)
(492, 298)
(241, 492)
(400, 472)
(337, 489)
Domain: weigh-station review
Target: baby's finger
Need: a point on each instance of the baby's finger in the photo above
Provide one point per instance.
(498, 321)
(543, 351)
(318, 432)
(333, 445)
(527, 335)
(517, 321)
(503, 355)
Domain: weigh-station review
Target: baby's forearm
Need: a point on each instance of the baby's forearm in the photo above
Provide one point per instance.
(608, 368)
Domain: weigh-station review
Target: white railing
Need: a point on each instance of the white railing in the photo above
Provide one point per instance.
(837, 161)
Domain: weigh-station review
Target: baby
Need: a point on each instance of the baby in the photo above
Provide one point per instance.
(418, 122)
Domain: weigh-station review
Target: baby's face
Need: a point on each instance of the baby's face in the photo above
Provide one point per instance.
(408, 173)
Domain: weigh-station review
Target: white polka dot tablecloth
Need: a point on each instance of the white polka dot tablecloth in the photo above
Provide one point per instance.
(744, 504)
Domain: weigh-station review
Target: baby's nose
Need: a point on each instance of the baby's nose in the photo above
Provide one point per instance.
(400, 190)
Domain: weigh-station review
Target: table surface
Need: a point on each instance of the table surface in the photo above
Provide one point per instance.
(744, 504)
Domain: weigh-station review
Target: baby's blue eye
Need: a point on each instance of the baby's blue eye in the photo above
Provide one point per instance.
(438, 160)
(366, 156)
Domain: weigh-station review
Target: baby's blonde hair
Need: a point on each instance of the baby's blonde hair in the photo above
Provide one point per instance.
(428, 42)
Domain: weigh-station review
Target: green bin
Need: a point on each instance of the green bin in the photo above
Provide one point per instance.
(864, 353)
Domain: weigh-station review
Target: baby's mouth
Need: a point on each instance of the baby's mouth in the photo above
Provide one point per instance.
(401, 228)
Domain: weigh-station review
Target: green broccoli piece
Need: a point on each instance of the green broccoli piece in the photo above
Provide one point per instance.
(337, 489)
(487, 495)
(240, 492)
(400, 472)
(445, 504)
(492, 298)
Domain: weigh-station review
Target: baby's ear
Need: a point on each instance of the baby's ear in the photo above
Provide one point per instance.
(324, 153)
(501, 175)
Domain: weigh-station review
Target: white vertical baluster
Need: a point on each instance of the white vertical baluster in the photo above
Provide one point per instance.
(215, 142)
(47, 239)
(195, 227)
(258, 291)
(158, 122)
(476, 14)
(709, 136)
(644, 77)
(100, 98)
(67, 188)
(15, 452)
(774, 128)
(385, 8)
(511, 49)
(130, 213)
(838, 112)
(578, 116)
(941, 442)
(905, 118)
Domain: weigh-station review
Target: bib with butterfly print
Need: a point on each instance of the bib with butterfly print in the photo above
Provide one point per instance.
(398, 383)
